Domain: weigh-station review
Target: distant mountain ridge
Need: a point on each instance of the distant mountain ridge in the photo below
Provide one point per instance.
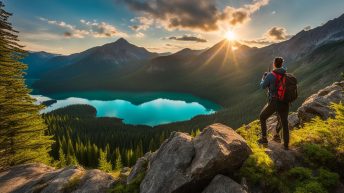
(110, 55)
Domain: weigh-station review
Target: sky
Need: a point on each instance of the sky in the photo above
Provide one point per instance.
(71, 26)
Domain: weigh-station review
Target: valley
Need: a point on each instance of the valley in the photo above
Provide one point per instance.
(222, 74)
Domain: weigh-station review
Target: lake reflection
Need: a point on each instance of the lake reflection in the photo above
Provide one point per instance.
(155, 112)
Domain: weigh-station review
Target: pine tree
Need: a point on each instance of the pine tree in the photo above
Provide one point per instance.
(22, 129)
(71, 160)
(119, 164)
(197, 132)
(104, 164)
(62, 158)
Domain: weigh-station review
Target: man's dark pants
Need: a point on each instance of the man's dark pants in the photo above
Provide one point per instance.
(282, 110)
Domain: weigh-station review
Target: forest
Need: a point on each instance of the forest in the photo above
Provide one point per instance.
(81, 137)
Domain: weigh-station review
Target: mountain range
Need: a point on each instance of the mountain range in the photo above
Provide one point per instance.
(227, 73)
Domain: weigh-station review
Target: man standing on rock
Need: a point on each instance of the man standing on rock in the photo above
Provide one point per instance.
(275, 82)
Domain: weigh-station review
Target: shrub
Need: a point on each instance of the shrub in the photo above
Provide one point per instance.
(300, 173)
(327, 179)
(316, 155)
(310, 187)
(301, 179)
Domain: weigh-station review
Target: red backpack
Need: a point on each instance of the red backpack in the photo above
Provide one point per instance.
(286, 86)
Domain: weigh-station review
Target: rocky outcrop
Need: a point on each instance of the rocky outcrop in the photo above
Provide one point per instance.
(184, 164)
(41, 178)
(223, 184)
(317, 104)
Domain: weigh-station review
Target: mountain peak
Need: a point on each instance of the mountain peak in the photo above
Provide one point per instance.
(122, 41)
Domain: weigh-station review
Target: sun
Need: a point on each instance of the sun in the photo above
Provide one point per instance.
(230, 35)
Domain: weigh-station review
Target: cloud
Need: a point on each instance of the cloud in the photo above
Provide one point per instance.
(140, 35)
(201, 15)
(187, 38)
(273, 12)
(277, 33)
(271, 36)
(143, 23)
(102, 29)
(94, 29)
(71, 31)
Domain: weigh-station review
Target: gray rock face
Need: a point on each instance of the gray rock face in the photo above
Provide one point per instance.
(168, 168)
(94, 181)
(140, 166)
(223, 184)
(283, 160)
(319, 104)
(41, 178)
(183, 164)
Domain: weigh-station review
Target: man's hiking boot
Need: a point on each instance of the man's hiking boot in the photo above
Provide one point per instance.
(277, 138)
(263, 141)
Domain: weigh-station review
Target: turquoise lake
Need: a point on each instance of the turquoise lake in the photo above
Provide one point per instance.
(137, 108)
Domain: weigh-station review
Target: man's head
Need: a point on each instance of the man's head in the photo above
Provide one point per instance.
(278, 62)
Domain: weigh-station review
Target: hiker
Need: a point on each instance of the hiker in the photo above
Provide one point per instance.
(282, 91)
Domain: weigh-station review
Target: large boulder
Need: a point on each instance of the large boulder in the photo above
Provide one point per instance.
(223, 184)
(167, 170)
(218, 149)
(319, 103)
(184, 164)
(41, 178)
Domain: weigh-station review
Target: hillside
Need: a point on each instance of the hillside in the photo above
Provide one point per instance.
(37, 61)
(226, 73)
(219, 159)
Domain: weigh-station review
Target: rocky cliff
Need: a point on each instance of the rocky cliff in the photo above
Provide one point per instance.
(207, 163)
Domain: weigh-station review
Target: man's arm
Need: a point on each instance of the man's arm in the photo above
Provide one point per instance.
(265, 82)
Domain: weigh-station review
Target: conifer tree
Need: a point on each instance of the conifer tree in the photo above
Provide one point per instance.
(119, 164)
(104, 164)
(71, 160)
(22, 129)
(62, 158)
